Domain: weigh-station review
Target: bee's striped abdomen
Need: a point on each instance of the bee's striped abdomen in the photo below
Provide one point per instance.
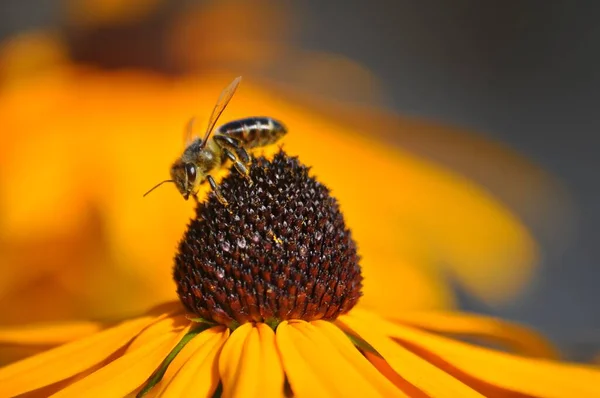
(254, 131)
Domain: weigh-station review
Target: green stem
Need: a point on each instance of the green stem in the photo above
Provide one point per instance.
(160, 372)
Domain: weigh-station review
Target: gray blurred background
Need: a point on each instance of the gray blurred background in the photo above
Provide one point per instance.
(523, 73)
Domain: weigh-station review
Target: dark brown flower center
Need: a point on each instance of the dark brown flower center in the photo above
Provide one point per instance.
(280, 250)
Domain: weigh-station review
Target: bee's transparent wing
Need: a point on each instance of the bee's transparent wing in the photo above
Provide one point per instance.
(188, 131)
(222, 102)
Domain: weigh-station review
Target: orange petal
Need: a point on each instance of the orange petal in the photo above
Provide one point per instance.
(514, 337)
(48, 334)
(316, 367)
(194, 372)
(126, 373)
(534, 377)
(69, 359)
(338, 339)
(420, 373)
(248, 353)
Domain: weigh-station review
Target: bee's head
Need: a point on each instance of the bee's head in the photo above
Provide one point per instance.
(184, 175)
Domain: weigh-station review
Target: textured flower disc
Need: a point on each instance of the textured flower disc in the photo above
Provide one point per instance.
(279, 251)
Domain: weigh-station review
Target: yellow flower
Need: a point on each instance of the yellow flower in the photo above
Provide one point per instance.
(317, 358)
(267, 287)
(105, 138)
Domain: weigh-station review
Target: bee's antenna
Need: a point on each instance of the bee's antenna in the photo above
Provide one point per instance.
(156, 186)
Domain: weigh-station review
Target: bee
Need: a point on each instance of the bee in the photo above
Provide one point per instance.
(229, 142)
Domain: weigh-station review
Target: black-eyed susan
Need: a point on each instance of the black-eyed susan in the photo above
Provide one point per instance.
(267, 290)
(99, 231)
(105, 137)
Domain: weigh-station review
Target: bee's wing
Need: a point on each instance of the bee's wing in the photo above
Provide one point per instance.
(188, 132)
(220, 106)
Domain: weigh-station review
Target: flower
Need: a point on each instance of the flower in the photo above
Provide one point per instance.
(269, 286)
(429, 220)
(105, 137)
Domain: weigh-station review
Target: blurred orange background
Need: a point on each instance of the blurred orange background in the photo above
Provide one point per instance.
(92, 112)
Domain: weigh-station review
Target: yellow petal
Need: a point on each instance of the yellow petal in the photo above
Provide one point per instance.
(194, 372)
(126, 373)
(248, 353)
(18, 342)
(180, 359)
(483, 388)
(240, 350)
(423, 375)
(172, 323)
(48, 334)
(69, 359)
(304, 380)
(385, 369)
(338, 339)
(316, 367)
(488, 329)
(535, 377)
(409, 264)
(272, 375)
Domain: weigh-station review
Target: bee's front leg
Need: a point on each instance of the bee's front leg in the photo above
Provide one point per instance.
(217, 191)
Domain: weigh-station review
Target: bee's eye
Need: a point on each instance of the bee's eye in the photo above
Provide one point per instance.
(190, 170)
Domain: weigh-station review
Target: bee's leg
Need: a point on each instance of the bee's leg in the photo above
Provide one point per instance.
(234, 145)
(239, 166)
(243, 155)
(227, 141)
(217, 191)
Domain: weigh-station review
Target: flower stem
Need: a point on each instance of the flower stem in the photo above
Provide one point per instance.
(160, 371)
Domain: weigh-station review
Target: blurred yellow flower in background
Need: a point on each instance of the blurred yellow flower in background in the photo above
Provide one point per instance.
(78, 158)
(80, 145)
